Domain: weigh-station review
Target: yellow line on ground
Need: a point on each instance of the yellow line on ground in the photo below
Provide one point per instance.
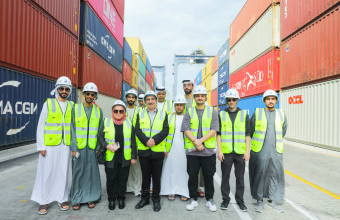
(315, 151)
(313, 185)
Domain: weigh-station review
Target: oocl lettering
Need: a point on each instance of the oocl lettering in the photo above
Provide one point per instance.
(295, 99)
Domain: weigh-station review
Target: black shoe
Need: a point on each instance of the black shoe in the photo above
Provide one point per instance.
(242, 206)
(112, 205)
(121, 204)
(156, 206)
(142, 203)
(224, 205)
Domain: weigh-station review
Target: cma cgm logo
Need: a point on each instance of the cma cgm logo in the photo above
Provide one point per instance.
(106, 44)
(223, 74)
(295, 100)
(109, 13)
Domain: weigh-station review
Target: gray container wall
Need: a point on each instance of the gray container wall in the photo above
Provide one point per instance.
(223, 53)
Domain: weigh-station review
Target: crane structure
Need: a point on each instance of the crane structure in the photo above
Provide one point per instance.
(160, 69)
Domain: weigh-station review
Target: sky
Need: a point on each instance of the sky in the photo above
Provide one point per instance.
(168, 27)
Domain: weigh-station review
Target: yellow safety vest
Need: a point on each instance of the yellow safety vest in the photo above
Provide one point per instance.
(150, 131)
(206, 123)
(135, 113)
(167, 106)
(172, 127)
(53, 129)
(110, 133)
(261, 128)
(86, 131)
(239, 132)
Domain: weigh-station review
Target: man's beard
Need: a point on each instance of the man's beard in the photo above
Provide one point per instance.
(64, 96)
(187, 91)
(131, 103)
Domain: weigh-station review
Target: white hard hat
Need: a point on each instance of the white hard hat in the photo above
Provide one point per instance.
(119, 102)
(90, 87)
(232, 93)
(141, 96)
(199, 90)
(131, 92)
(269, 92)
(180, 100)
(148, 93)
(63, 81)
(160, 89)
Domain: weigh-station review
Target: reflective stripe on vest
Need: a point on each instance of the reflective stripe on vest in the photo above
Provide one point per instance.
(86, 131)
(261, 128)
(110, 133)
(239, 132)
(55, 122)
(206, 124)
(172, 127)
(157, 126)
(167, 106)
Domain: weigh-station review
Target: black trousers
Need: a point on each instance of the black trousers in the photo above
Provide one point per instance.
(226, 165)
(151, 168)
(208, 165)
(116, 181)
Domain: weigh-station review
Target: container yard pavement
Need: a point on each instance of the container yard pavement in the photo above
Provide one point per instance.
(312, 192)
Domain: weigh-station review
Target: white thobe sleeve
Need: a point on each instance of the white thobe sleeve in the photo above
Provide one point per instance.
(40, 128)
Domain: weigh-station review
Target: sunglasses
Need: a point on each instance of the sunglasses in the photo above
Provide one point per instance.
(90, 94)
(118, 111)
(64, 89)
(229, 100)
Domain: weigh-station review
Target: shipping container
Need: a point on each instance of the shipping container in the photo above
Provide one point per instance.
(141, 66)
(223, 53)
(207, 83)
(209, 98)
(313, 114)
(214, 81)
(147, 87)
(251, 11)
(119, 5)
(31, 42)
(127, 72)
(94, 69)
(222, 89)
(296, 14)
(152, 74)
(141, 82)
(135, 62)
(137, 47)
(140, 91)
(107, 13)
(199, 78)
(148, 64)
(251, 103)
(94, 33)
(125, 87)
(207, 69)
(313, 54)
(214, 97)
(21, 99)
(222, 108)
(223, 73)
(134, 79)
(263, 36)
(149, 80)
(66, 12)
(127, 53)
(258, 76)
(214, 65)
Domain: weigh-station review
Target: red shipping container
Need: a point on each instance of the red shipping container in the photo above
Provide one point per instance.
(66, 12)
(214, 65)
(313, 54)
(127, 72)
(297, 13)
(31, 42)
(148, 79)
(249, 14)
(119, 5)
(93, 68)
(152, 75)
(214, 97)
(258, 76)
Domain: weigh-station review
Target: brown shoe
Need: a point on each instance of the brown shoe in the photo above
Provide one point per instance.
(43, 209)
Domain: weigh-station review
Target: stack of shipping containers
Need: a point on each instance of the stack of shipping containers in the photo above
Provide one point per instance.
(206, 76)
(223, 75)
(254, 52)
(310, 71)
(127, 69)
(214, 81)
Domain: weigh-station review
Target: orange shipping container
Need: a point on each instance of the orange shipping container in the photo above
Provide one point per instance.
(127, 72)
(214, 97)
(214, 65)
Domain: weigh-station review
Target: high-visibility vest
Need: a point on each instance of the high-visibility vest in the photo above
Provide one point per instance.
(206, 123)
(135, 113)
(172, 127)
(261, 128)
(150, 131)
(239, 132)
(110, 133)
(53, 129)
(193, 104)
(86, 131)
(167, 106)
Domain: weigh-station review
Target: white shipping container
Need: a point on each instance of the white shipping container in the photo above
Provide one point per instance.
(264, 35)
(313, 114)
(147, 87)
(214, 81)
(141, 82)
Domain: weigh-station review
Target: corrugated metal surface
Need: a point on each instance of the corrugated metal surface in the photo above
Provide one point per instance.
(249, 14)
(135, 62)
(313, 53)
(66, 12)
(148, 65)
(296, 14)
(251, 103)
(21, 99)
(206, 72)
(214, 65)
(127, 72)
(31, 42)
(223, 74)
(127, 53)
(107, 13)
(149, 80)
(207, 83)
(94, 69)
(214, 81)
(141, 82)
(223, 53)
(222, 89)
(199, 78)
(264, 35)
(119, 5)
(97, 37)
(258, 76)
(137, 47)
(209, 98)
(141, 66)
(214, 97)
(134, 79)
(147, 87)
(152, 74)
(125, 87)
(313, 113)
(222, 108)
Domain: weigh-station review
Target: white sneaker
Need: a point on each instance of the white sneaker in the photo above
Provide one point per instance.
(193, 204)
(275, 206)
(211, 205)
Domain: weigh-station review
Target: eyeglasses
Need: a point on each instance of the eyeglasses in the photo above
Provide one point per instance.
(118, 111)
(229, 100)
(90, 94)
(64, 89)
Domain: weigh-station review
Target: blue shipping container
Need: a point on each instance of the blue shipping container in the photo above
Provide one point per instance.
(223, 53)
(252, 103)
(223, 73)
(125, 87)
(99, 38)
(127, 53)
(21, 99)
(199, 78)
(222, 108)
(141, 67)
(148, 65)
(221, 94)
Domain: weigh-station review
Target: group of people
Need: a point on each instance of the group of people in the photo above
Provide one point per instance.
(158, 147)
